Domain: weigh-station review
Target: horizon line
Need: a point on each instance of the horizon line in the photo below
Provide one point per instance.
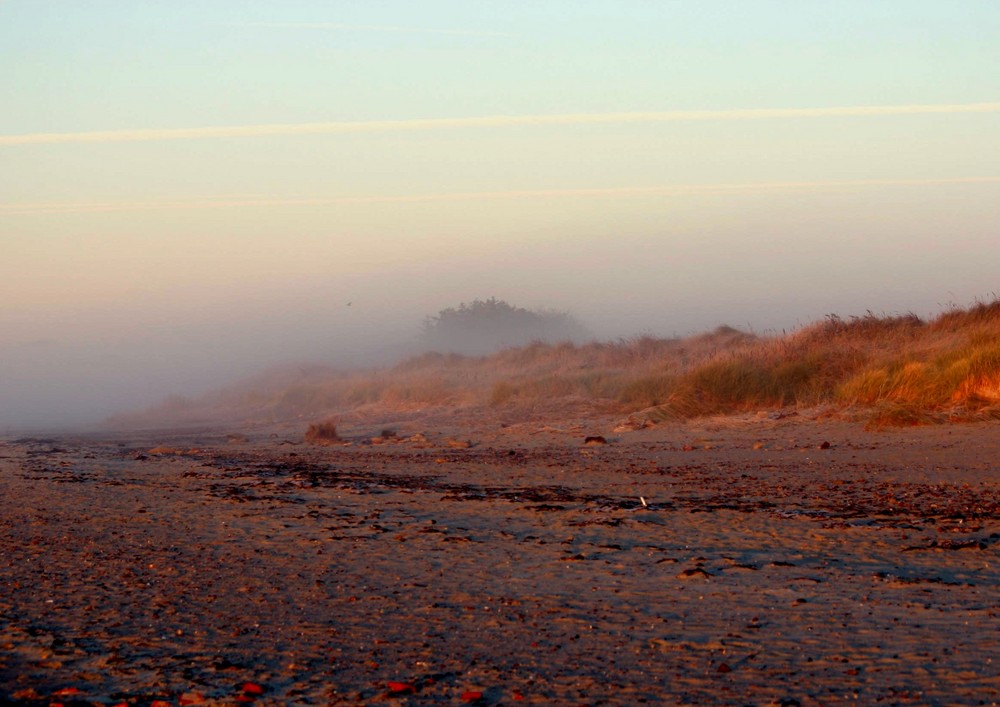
(494, 121)
(674, 190)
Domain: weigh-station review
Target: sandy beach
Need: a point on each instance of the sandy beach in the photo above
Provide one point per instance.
(751, 560)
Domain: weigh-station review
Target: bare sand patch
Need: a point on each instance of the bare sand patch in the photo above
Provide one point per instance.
(751, 561)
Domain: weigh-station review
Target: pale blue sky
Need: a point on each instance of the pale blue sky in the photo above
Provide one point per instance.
(135, 265)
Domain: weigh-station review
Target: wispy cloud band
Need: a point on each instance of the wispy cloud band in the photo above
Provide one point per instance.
(346, 27)
(673, 190)
(496, 121)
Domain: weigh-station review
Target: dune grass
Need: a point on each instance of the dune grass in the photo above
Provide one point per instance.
(889, 370)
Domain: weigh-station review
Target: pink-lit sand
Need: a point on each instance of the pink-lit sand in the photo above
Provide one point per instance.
(765, 567)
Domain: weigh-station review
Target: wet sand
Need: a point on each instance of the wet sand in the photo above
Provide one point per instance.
(751, 561)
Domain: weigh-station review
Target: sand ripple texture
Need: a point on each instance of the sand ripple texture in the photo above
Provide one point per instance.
(789, 565)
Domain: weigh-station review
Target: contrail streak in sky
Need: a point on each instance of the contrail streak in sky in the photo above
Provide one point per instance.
(340, 26)
(677, 190)
(496, 121)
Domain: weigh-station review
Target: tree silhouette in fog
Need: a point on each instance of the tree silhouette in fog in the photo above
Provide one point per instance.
(488, 325)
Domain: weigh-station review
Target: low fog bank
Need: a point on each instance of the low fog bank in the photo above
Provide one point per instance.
(78, 380)
(79, 374)
(60, 384)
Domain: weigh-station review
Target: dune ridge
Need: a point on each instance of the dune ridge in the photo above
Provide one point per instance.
(885, 370)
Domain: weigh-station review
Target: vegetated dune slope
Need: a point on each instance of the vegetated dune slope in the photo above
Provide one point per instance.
(886, 370)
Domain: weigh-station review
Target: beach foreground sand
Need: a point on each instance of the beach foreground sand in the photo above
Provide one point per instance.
(747, 561)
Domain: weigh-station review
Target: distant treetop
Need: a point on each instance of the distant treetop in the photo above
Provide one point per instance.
(485, 326)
